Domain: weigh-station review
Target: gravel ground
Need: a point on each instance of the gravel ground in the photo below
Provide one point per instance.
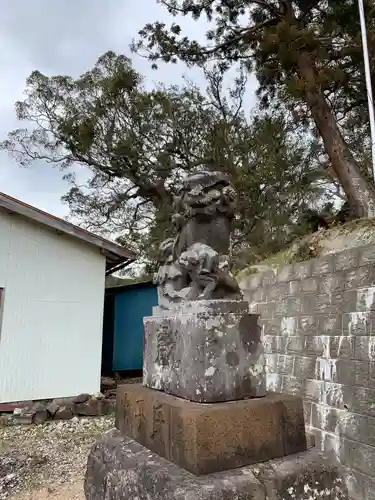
(48, 460)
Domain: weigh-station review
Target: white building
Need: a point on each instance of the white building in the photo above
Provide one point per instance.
(52, 277)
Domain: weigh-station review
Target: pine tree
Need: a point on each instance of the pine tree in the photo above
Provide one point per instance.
(306, 54)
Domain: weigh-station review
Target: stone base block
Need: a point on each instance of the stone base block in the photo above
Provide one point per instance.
(122, 469)
(206, 438)
(205, 351)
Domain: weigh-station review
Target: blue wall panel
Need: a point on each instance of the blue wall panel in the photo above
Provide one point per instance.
(131, 305)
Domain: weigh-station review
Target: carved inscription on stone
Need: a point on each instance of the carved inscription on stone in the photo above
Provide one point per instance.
(157, 421)
(165, 345)
(139, 417)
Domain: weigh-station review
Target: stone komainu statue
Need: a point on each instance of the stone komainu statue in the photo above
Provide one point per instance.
(195, 265)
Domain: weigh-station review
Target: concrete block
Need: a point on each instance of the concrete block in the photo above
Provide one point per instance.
(285, 364)
(309, 390)
(361, 373)
(317, 303)
(289, 326)
(348, 259)
(330, 324)
(293, 344)
(372, 374)
(364, 348)
(365, 299)
(285, 273)
(342, 346)
(269, 278)
(270, 344)
(253, 307)
(304, 367)
(343, 423)
(252, 281)
(270, 327)
(345, 301)
(206, 438)
(302, 270)
(310, 438)
(367, 255)
(355, 482)
(342, 371)
(259, 295)
(271, 363)
(293, 287)
(326, 369)
(323, 265)
(309, 285)
(120, 468)
(292, 385)
(360, 277)
(307, 409)
(205, 352)
(312, 390)
(332, 283)
(357, 427)
(294, 305)
(316, 435)
(308, 325)
(368, 485)
(267, 309)
(337, 395)
(281, 307)
(363, 458)
(317, 345)
(277, 291)
(356, 323)
(363, 401)
(336, 448)
(274, 382)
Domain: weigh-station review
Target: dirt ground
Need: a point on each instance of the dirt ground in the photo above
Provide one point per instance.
(72, 491)
(47, 461)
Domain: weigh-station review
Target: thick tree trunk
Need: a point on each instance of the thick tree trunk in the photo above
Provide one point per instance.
(360, 193)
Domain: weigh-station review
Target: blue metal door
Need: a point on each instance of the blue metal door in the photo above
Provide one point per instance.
(131, 305)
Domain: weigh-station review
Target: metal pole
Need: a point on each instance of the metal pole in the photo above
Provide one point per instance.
(368, 82)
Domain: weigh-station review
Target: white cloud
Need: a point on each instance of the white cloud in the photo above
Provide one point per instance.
(60, 37)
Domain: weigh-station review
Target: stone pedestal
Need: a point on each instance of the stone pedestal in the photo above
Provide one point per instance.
(122, 469)
(207, 438)
(205, 351)
(209, 431)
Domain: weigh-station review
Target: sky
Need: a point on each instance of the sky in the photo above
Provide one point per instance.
(66, 37)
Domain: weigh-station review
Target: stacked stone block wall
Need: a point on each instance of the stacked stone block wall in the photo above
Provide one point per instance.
(318, 324)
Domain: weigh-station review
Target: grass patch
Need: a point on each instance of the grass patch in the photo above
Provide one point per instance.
(355, 233)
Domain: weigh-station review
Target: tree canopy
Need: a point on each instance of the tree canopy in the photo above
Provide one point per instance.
(137, 145)
(307, 54)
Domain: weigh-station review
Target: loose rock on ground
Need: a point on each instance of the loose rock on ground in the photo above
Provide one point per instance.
(47, 460)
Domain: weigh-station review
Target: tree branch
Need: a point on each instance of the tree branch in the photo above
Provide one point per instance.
(245, 34)
(308, 9)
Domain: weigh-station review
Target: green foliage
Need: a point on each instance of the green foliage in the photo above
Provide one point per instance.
(136, 146)
(269, 37)
(307, 56)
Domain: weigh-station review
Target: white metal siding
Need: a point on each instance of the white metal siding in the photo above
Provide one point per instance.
(51, 325)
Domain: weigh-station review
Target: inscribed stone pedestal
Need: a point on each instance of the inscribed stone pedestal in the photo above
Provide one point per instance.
(205, 351)
(207, 438)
